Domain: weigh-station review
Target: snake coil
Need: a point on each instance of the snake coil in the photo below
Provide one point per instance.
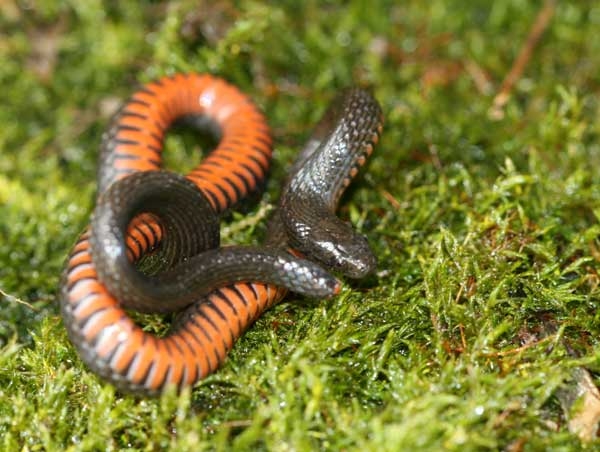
(142, 209)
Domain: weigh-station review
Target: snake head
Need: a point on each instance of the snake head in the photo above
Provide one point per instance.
(352, 257)
(337, 246)
(322, 237)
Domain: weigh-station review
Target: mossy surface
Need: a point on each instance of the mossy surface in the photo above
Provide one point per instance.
(485, 229)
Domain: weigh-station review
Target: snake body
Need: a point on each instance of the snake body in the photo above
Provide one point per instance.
(142, 209)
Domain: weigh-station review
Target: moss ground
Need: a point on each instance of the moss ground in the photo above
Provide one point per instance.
(487, 229)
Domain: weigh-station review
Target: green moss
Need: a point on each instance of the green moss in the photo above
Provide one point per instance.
(484, 228)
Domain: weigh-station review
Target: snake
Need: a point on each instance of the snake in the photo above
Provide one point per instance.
(218, 292)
